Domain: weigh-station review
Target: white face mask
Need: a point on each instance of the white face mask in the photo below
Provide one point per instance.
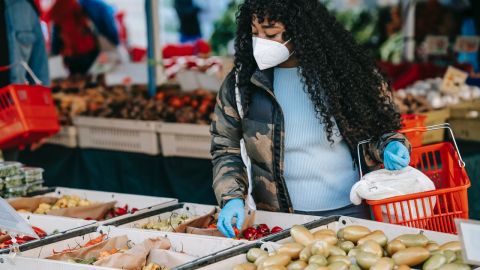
(269, 53)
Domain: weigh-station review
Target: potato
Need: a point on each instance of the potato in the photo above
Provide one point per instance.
(297, 265)
(339, 258)
(330, 239)
(346, 245)
(275, 267)
(402, 267)
(411, 256)
(334, 250)
(355, 232)
(413, 240)
(377, 236)
(320, 248)
(291, 249)
(316, 267)
(301, 235)
(395, 246)
(245, 266)
(340, 234)
(366, 260)
(305, 254)
(261, 259)
(277, 259)
(354, 267)
(338, 266)
(353, 252)
(449, 255)
(254, 253)
(453, 246)
(318, 260)
(432, 246)
(435, 262)
(326, 231)
(372, 247)
(383, 264)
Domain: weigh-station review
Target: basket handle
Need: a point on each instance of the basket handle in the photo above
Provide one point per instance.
(416, 129)
(27, 69)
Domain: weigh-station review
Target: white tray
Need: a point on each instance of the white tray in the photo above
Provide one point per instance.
(55, 223)
(390, 230)
(185, 140)
(117, 134)
(67, 137)
(137, 201)
(270, 218)
(197, 246)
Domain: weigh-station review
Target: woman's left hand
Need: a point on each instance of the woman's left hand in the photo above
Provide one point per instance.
(396, 156)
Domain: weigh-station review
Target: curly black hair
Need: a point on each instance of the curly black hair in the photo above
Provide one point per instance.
(340, 77)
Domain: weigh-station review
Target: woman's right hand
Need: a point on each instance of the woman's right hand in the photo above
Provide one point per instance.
(233, 208)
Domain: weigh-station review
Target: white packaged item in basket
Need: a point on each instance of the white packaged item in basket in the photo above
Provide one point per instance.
(383, 184)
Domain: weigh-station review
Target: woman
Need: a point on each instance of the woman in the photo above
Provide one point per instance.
(307, 95)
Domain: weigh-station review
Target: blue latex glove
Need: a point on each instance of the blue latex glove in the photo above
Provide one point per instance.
(396, 156)
(233, 208)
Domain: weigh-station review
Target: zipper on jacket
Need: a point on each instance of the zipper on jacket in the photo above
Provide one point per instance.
(284, 200)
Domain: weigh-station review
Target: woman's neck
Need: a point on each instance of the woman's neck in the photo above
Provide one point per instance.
(290, 63)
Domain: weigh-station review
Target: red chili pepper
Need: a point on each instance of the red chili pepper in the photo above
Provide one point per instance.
(88, 218)
(133, 210)
(41, 233)
(26, 238)
(120, 211)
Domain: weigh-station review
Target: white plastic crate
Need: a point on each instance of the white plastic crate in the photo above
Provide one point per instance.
(136, 201)
(185, 140)
(196, 246)
(118, 135)
(391, 231)
(67, 137)
(272, 219)
(51, 224)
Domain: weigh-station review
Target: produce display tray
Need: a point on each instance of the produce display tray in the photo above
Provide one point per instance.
(185, 140)
(270, 218)
(118, 134)
(53, 226)
(227, 259)
(141, 202)
(67, 137)
(196, 246)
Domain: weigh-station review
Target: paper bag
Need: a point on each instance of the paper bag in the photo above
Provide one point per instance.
(31, 204)
(119, 242)
(136, 257)
(200, 224)
(168, 258)
(95, 211)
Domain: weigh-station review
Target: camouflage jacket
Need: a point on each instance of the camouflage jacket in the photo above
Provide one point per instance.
(263, 131)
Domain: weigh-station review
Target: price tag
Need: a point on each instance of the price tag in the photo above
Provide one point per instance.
(453, 80)
(469, 233)
(436, 45)
(467, 44)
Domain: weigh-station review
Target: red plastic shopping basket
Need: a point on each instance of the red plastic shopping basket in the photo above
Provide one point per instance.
(27, 114)
(412, 121)
(432, 210)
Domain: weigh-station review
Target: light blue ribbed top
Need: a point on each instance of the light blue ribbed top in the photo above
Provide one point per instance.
(318, 175)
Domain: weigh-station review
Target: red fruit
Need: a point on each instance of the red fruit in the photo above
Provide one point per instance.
(194, 104)
(160, 96)
(259, 235)
(250, 233)
(175, 102)
(186, 99)
(276, 229)
(263, 229)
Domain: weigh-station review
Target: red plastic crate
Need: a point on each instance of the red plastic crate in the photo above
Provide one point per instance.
(412, 121)
(433, 210)
(27, 114)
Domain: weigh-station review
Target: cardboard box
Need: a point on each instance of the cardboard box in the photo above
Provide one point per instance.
(465, 121)
(434, 118)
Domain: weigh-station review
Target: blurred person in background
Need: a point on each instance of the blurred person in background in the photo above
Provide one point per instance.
(187, 12)
(21, 39)
(77, 27)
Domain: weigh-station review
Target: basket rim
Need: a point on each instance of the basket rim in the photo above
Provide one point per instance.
(419, 195)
